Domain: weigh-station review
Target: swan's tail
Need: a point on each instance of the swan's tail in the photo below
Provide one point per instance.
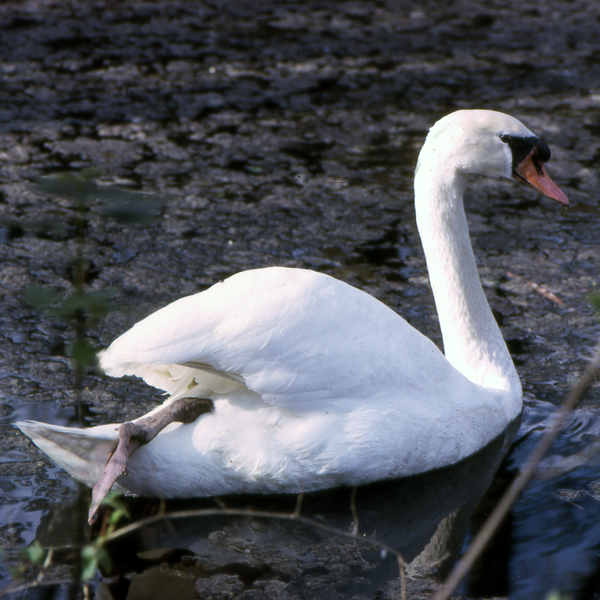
(81, 452)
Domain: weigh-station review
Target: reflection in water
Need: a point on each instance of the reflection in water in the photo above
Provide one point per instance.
(554, 538)
(549, 541)
(424, 517)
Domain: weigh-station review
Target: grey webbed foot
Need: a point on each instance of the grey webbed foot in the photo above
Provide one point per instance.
(134, 435)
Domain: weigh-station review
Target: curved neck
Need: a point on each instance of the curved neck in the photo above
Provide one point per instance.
(473, 343)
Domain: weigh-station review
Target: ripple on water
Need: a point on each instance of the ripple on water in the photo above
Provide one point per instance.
(553, 543)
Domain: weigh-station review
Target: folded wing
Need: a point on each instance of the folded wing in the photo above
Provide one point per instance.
(295, 337)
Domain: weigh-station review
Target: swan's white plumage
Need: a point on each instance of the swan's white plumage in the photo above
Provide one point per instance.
(315, 383)
(283, 333)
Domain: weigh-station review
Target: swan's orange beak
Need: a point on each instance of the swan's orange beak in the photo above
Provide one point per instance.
(532, 172)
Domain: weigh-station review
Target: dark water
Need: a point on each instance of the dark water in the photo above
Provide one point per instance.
(287, 133)
(550, 541)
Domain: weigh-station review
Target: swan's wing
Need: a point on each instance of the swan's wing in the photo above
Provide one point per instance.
(290, 335)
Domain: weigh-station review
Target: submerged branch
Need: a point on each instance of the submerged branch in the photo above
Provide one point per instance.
(293, 516)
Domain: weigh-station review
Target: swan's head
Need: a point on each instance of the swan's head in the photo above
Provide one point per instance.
(485, 142)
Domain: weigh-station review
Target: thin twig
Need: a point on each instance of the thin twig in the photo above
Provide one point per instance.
(511, 494)
(16, 587)
(353, 510)
(543, 291)
(299, 504)
(402, 568)
(295, 516)
(207, 512)
(247, 512)
(219, 502)
(45, 566)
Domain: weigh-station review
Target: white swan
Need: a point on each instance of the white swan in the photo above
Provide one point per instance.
(315, 384)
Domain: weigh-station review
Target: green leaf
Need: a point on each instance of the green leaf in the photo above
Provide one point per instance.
(82, 354)
(114, 499)
(40, 297)
(89, 562)
(556, 595)
(103, 558)
(92, 172)
(94, 556)
(46, 228)
(127, 206)
(81, 191)
(35, 553)
(96, 302)
(120, 511)
(595, 300)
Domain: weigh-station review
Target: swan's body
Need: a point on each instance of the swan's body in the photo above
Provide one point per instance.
(314, 383)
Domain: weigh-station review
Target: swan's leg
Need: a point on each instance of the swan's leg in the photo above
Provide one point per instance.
(134, 435)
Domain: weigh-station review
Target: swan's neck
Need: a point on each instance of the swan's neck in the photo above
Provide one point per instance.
(473, 343)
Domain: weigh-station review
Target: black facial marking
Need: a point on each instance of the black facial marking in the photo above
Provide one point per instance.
(521, 147)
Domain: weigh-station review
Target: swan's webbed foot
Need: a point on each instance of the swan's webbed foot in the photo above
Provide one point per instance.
(134, 435)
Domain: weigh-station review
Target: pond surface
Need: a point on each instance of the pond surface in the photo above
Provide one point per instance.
(287, 134)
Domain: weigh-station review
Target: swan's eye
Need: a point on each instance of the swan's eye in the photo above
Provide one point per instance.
(537, 159)
(521, 147)
(543, 151)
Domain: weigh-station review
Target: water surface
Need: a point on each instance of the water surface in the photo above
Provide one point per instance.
(287, 134)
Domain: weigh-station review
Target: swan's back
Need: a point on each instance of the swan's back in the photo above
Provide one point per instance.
(296, 337)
